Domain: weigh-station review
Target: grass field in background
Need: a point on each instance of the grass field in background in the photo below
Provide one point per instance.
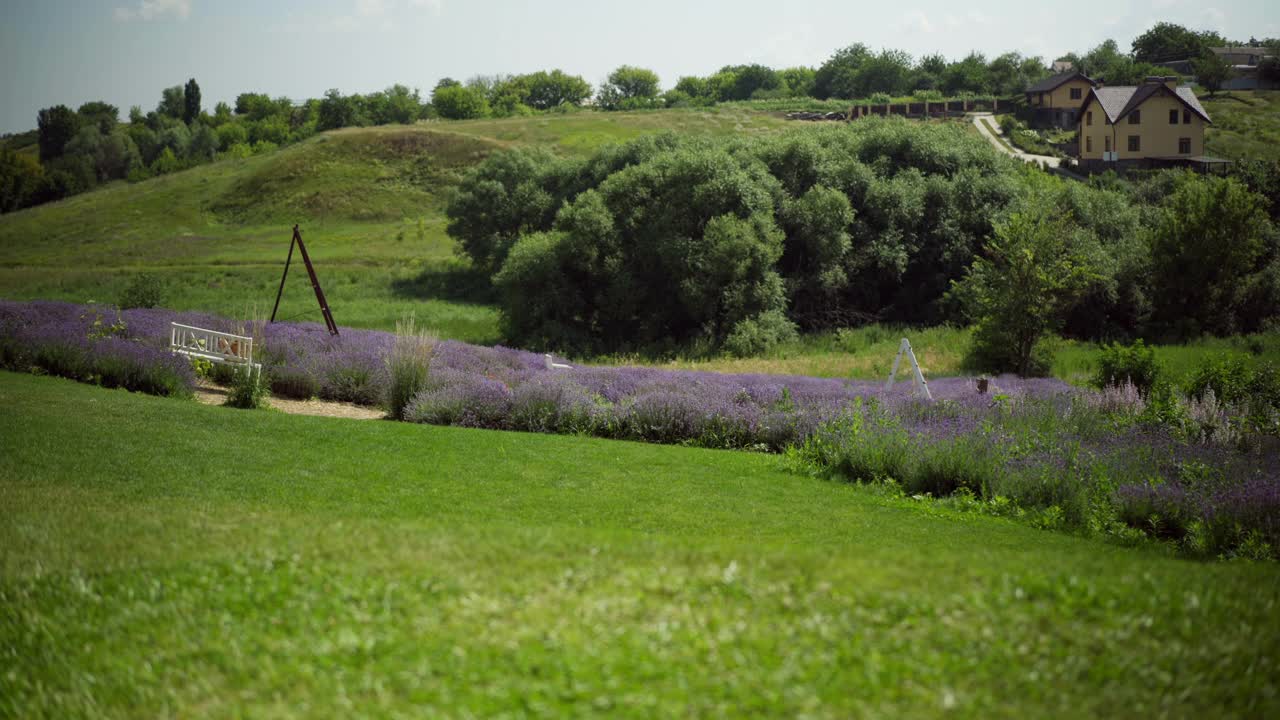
(159, 557)
(1246, 124)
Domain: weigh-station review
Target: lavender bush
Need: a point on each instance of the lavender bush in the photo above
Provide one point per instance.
(1093, 460)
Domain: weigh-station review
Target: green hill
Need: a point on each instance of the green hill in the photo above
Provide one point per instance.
(369, 201)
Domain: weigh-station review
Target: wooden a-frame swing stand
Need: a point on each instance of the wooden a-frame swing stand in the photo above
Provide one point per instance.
(315, 283)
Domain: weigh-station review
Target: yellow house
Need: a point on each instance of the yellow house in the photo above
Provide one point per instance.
(1055, 100)
(1155, 124)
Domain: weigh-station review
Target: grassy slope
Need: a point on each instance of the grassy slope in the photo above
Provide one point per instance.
(162, 557)
(1246, 124)
(369, 201)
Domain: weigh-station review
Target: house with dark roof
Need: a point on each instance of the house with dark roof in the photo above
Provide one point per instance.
(1155, 124)
(1056, 100)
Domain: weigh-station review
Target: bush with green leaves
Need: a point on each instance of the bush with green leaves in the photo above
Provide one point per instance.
(145, 290)
(1119, 364)
(248, 391)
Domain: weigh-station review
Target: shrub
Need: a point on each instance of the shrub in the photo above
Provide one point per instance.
(248, 390)
(408, 365)
(1119, 364)
(143, 291)
(760, 334)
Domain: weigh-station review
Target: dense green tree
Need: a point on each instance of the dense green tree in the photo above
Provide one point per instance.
(743, 81)
(1212, 72)
(338, 111)
(232, 133)
(1030, 276)
(173, 102)
(675, 250)
(551, 89)
(136, 117)
(798, 81)
(970, 75)
(837, 77)
(1011, 73)
(888, 71)
(20, 179)
(176, 139)
(167, 162)
(221, 114)
(204, 143)
(507, 195)
(456, 102)
(56, 126)
(1206, 241)
(190, 102)
(1167, 41)
(629, 87)
(397, 104)
(101, 114)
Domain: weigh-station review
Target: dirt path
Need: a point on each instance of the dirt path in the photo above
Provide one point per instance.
(980, 121)
(210, 394)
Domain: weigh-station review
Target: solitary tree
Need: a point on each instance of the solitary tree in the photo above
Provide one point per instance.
(1032, 273)
(1168, 41)
(629, 87)
(191, 102)
(1211, 72)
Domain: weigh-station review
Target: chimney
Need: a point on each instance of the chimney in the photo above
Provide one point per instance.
(1171, 82)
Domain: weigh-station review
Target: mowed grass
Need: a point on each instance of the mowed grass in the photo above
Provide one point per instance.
(159, 557)
(1246, 124)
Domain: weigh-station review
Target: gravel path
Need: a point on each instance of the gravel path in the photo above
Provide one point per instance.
(210, 394)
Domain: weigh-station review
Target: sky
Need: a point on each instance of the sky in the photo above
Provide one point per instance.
(125, 51)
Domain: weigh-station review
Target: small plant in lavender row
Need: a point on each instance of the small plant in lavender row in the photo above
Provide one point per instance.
(248, 390)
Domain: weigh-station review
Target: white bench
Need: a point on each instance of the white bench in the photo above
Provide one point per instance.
(218, 347)
(553, 365)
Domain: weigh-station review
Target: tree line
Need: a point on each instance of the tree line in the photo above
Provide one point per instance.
(676, 244)
(79, 149)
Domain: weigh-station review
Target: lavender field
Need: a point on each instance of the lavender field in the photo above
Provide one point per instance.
(1099, 462)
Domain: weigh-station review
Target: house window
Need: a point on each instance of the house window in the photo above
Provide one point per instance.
(1184, 146)
(1088, 143)
(1186, 117)
(1106, 143)
(1173, 117)
(1088, 118)
(1135, 143)
(1135, 117)
(1076, 93)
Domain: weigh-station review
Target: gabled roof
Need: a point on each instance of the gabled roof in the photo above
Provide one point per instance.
(1121, 100)
(1053, 82)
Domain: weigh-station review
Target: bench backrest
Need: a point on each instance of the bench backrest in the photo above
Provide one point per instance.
(210, 344)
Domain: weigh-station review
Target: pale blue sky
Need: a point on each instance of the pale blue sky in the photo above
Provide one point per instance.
(125, 51)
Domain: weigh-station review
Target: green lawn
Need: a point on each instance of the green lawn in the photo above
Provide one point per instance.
(159, 557)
